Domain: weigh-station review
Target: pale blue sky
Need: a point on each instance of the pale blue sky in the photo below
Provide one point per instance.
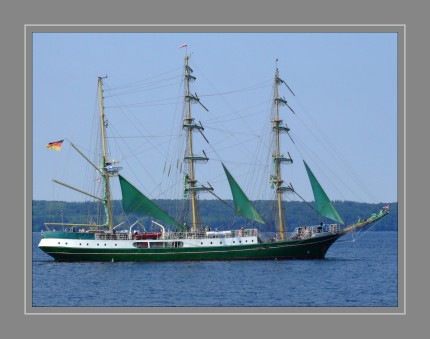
(345, 125)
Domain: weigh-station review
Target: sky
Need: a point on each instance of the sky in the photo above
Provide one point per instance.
(344, 123)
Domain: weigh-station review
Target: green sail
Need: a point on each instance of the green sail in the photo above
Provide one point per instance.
(323, 203)
(242, 204)
(136, 202)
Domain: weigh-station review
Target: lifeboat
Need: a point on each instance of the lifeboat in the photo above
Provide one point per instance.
(147, 235)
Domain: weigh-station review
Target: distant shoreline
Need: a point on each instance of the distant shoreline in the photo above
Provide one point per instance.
(213, 213)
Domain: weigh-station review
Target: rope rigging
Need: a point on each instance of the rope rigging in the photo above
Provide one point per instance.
(153, 141)
(356, 235)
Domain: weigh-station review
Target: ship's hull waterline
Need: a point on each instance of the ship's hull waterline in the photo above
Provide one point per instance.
(127, 250)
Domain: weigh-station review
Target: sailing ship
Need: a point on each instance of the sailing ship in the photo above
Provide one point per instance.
(191, 241)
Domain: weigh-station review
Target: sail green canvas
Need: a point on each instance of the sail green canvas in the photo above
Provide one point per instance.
(136, 202)
(324, 206)
(242, 204)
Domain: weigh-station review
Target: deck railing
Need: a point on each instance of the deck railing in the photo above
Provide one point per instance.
(211, 234)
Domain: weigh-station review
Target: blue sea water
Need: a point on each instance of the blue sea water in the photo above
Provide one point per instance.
(361, 273)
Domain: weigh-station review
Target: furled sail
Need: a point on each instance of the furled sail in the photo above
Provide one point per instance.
(323, 204)
(136, 202)
(242, 204)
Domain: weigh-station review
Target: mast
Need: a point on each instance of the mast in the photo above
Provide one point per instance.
(278, 157)
(190, 181)
(104, 163)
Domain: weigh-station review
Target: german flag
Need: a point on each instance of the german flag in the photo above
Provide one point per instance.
(56, 145)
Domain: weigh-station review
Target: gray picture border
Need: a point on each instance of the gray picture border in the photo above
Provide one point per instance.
(16, 322)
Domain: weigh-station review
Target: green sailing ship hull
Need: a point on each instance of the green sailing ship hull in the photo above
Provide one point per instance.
(106, 242)
(314, 248)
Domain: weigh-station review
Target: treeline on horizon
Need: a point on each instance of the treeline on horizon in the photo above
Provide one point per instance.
(214, 214)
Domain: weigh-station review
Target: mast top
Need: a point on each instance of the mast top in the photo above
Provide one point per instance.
(186, 50)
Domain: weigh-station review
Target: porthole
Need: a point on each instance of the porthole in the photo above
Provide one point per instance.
(246, 240)
(234, 241)
(66, 243)
(201, 243)
(105, 244)
(116, 244)
(211, 242)
(58, 243)
(220, 242)
(88, 244)
(80, 244)
(98, 244)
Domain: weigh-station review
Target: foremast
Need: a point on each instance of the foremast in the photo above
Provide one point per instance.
(278, 158)
(105, 165)
(191, 188)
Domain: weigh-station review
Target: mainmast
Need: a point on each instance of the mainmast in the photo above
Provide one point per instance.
(190, 181)
(278, 158)
(106, 167)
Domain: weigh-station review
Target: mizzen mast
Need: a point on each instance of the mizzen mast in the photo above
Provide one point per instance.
(106, 166)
